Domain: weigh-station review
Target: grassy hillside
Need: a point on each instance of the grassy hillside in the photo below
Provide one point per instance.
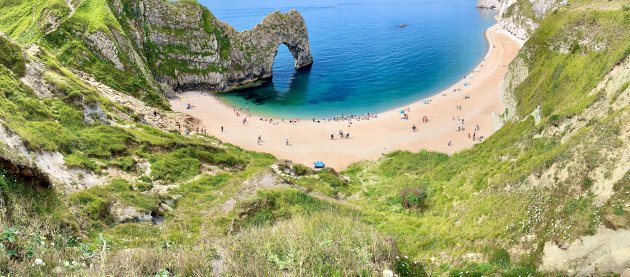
(190, 205)
(490, 198)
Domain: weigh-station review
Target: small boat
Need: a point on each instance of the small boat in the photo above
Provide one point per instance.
(402, 25)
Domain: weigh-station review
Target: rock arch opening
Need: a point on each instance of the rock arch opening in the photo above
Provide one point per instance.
(284, 68)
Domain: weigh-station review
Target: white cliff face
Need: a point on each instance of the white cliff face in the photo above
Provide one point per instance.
(488, 4)
(520, 18)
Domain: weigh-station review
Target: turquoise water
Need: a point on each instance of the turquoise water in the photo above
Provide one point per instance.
(364, 63)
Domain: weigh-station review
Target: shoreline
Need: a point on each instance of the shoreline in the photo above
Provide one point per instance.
(303, 118)
(473, 99)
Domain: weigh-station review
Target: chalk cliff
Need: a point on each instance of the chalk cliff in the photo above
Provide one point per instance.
(521, 18)
(488, 4)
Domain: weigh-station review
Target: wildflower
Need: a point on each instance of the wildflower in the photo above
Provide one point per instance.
(39, 261)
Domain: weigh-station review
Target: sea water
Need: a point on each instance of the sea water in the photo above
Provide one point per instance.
(365, 62)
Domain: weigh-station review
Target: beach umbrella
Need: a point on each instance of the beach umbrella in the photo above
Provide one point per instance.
(319, 164)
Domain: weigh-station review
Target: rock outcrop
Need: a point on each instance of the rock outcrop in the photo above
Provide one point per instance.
(488, 4)
(186, 47)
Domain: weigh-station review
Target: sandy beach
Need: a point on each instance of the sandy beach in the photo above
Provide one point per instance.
(474, 100)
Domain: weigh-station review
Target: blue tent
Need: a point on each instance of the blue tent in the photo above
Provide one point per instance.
(319, 164)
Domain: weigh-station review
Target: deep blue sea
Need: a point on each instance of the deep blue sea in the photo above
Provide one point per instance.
(363, 61)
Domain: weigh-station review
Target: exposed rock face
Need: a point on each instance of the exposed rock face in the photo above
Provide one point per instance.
(488, 4)
(105, 47)
(46, 167)
(520, 18)
(123, 214)
(257, 48)
(186, 47)
(604, 253)
(517, 73)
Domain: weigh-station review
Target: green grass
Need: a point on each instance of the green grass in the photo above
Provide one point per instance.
(322, 245)
(94, 15)
(269, 206)
(80, 160)
(12, 57)
(560, 83)
(326, 181)
(25, 21)
(185, 163)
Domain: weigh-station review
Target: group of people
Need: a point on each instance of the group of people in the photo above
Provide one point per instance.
(342, 135)
(348, 118)
(198, 130)
(260, 141)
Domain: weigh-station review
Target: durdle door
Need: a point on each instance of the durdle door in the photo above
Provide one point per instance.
(187, 47)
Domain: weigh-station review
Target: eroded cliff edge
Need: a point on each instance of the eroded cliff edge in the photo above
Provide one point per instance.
(521, 17)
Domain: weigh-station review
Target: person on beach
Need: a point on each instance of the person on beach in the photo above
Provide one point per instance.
(221, 129)
(259, 139)
(413, 128)
(332, 137)
(450, 143)
(347, 135)
(286, 142)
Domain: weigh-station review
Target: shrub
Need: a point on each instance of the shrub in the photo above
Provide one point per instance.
(273, 205)
(413, 198)
(332, 178)
(94, 203)
(301, 170)
(500, 258)
(125, 163)
(406, 268)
